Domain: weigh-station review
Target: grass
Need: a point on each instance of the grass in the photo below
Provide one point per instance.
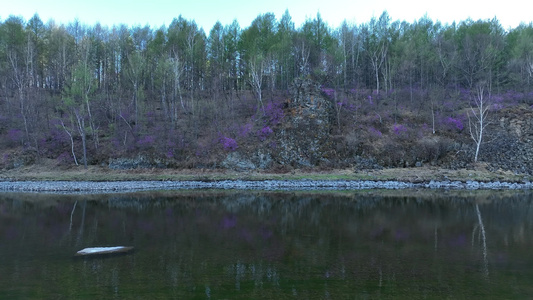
(49, 172)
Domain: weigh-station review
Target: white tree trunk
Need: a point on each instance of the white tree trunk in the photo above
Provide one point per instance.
(257, 79)
(477, 119)
(71, 142)
(81, 129)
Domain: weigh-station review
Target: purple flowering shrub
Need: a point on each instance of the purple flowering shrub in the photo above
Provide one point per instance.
(399, 129)
(146, 142)
(56, 137)
(169, 153)
(244, 130)
(497, 102)
(274, 113)
(228, 143)
(454, 124)
(15, 135)
(328, 92)
(264, 132)
(170, 149)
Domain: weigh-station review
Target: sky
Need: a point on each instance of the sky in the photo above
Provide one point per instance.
(156, 13)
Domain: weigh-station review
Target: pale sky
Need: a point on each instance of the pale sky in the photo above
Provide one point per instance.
(161, 12)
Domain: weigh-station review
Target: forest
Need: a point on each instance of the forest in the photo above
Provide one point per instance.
(402, 92)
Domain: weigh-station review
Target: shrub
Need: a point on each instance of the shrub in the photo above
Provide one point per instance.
(399, 129)
(170, 153)
(65, 158)
(375, 132)
(431, 149)
(328, 92)
(264, 132)
(15, 135)
(453, 123)
(245, 130)
(274, 113)
(228, 144)
(146, 142)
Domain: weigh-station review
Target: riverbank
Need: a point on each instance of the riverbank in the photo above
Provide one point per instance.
(269, 185)
(42, 178)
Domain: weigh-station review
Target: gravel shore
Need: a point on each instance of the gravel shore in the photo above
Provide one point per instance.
(131, 186)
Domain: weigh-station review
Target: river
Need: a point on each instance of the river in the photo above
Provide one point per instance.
(210, 244)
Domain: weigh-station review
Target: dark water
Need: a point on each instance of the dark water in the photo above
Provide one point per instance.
(241, 245)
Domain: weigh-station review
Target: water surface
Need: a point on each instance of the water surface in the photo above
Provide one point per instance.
(256, 245)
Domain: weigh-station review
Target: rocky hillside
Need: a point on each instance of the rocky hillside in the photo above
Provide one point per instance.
(303, 139)
(510, 140)
(307, 138)
(315, 128)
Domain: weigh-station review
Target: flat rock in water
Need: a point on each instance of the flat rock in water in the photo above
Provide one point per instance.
(104, 250)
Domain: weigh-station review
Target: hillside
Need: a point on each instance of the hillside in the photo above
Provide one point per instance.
(267, 98)
(309, 131)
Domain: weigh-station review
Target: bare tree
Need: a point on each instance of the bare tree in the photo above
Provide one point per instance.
(257, 68)
(377, 57)
(136, 68)
(83, 133)
(177, 70)
(71, 141)
(478, 117)
(301, 52)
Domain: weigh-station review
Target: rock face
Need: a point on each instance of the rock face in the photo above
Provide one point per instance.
(304, 137)
(301, 140)
(19, 159)
(510, 143)
(236, 161)
(258, 160)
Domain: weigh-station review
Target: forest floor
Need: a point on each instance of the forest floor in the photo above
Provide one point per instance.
(48, 171)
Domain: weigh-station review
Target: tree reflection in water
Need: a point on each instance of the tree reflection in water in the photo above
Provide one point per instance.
(484, 243)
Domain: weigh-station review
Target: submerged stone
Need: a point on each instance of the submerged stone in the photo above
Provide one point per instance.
(104, 250)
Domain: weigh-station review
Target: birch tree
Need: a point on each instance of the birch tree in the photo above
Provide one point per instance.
(478, 117)
(257, 47)
(17, 59)
(135, 69)
(257, 69)
(76, 100)
(378, 45)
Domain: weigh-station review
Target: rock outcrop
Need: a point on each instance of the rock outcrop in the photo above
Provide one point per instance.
(509, 142)
(138, 162)
(303, 140)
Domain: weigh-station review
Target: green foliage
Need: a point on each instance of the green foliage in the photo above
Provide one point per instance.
(80, 86)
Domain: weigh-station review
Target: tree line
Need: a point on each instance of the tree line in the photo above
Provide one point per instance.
(69, 89)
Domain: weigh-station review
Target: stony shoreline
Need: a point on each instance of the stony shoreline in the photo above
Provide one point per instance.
(267, 185)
